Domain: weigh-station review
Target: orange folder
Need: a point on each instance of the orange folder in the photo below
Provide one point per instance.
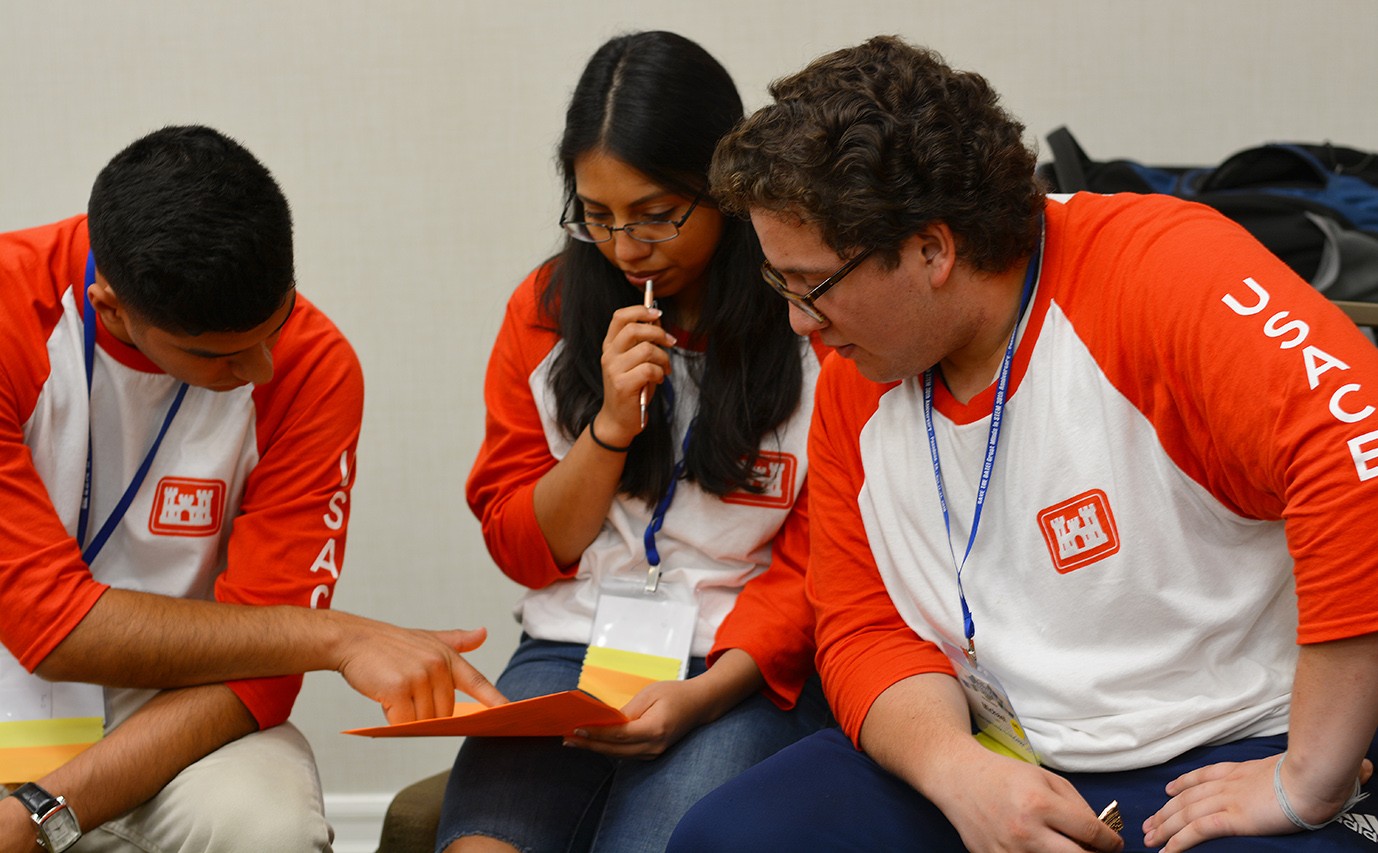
(557, 714)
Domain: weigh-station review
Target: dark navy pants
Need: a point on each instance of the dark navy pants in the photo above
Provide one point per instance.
(821, 794)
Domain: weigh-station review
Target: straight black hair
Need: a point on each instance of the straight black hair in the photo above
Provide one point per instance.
(192, 232)
(659, 103)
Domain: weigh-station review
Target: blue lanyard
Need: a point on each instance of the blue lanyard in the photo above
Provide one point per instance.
(663, 505)
(992, 442)
(90, 551)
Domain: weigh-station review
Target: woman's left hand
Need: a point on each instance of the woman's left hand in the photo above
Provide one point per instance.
(661, 714)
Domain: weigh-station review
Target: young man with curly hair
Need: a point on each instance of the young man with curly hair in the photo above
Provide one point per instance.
(1049, 507)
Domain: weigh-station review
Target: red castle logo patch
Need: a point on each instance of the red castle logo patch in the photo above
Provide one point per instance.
(774, 473)
(187, 507)
(1079, 531)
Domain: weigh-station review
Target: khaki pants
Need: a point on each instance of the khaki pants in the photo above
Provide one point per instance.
(259, 794)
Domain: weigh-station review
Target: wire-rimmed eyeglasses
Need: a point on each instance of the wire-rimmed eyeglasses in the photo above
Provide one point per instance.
(653, 231)
(805, 301)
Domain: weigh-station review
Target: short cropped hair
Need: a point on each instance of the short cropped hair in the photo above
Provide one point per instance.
(874, 142)
(192, 233)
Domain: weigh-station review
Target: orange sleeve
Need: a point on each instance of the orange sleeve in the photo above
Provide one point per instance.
(864, 646)
(1269, 401)
(772, 619)
(288, 540)
(515, 453)
(46, 587)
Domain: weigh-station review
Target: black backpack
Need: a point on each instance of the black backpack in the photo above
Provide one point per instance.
(1314, 206)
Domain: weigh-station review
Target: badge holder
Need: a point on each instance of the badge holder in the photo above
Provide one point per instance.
(643, 631)
(43, 724)
(997, 725)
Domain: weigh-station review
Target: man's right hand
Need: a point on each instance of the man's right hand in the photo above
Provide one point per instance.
(137, 639)
(412, 673)
(919, 729)
(1002, 804)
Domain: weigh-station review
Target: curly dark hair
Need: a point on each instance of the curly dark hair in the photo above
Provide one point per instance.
(872, 143)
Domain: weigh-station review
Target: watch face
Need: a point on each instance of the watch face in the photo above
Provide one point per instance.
(62, 830)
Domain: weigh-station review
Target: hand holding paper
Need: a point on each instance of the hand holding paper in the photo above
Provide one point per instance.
(658, 717)
(663, 712)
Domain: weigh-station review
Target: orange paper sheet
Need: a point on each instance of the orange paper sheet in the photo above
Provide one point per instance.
(34, 762)
(613, 687)
(557, 714)
(31, 749)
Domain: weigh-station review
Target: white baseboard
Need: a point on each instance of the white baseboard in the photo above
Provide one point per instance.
(357, 819)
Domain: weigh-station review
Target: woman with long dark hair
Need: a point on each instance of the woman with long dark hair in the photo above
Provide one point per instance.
(646, 449)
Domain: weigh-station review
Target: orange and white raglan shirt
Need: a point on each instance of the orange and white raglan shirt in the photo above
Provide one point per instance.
(743, 554)
(1184, 490)
(247, 499)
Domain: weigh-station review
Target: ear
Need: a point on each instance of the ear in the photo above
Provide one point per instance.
(108, 307)
(937, 246)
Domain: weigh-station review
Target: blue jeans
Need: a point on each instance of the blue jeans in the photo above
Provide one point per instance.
(538, 795)
(822, 794)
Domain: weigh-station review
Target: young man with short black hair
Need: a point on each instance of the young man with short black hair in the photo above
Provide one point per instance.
(177, 447)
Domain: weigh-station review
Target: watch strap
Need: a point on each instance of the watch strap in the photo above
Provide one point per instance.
(47, 809)
(35, 799)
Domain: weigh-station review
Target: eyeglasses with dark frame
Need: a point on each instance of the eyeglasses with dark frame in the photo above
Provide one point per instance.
(805, 301)
(653, 231)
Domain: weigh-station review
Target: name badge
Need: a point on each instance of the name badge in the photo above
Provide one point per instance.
(998, 727)
(44, 724)
(640, 636)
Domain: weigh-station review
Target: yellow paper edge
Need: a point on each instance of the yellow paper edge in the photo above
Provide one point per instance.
(654, 667)
(997, 747)
(58, 732)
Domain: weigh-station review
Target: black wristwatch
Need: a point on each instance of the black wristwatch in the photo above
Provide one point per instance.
(57, 823)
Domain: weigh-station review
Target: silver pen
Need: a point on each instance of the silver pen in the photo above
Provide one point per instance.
(648, 302)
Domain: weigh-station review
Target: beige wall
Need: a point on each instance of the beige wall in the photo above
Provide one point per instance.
(414, 139)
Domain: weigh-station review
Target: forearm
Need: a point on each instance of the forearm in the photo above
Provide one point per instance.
(135, 639)
(127, 768)
(732, 677)
(141, 640)
(1333, 720)
(572, 499)
(917, 728)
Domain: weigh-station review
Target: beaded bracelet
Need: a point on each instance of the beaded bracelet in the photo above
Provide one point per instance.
(603, 444)
(1294, 817)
